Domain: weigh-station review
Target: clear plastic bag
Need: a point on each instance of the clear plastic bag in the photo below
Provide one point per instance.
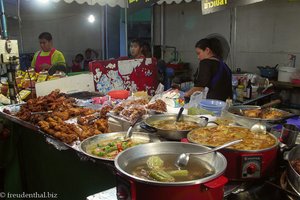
(133, 112)
(196, 97)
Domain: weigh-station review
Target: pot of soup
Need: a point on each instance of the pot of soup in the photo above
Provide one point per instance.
(148, 172)
(166, 126)
(253, 158)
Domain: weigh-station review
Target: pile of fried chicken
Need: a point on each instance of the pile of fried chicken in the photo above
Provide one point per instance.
(53, 111)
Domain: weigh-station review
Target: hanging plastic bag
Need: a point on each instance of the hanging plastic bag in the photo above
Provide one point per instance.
(194, 107)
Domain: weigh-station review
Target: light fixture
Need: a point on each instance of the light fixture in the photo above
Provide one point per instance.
(91, 19)
(43, 1)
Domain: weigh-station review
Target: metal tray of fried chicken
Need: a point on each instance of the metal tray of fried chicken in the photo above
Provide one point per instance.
(265, 115)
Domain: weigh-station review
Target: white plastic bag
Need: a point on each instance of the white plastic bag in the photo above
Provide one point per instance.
(196, 97)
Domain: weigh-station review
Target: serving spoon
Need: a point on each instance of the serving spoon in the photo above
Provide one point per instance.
(183, 159)
(129, 131)
(179, 115)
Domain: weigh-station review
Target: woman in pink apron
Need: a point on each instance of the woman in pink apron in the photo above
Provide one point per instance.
(47, 56)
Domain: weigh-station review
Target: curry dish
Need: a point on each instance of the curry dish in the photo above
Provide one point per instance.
(219, 135)
(173, 125)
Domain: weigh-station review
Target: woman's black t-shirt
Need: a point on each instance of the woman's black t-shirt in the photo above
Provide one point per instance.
(206, 71)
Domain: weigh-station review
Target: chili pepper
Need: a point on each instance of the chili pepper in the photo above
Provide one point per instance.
(119, 146)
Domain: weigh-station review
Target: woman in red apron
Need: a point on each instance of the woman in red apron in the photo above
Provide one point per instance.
(47, 56)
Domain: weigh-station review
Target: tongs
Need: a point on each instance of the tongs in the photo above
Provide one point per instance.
(41, 112)
(95, 116)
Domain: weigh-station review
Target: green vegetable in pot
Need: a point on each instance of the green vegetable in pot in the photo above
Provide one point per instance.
(177, 173)
(155, 162)
(162, 176)
(199, 111)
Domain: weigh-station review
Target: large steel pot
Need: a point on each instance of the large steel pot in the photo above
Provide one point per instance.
(292, 176)
(172, 134)
(141, 136)
(249, 164)
(135, 188)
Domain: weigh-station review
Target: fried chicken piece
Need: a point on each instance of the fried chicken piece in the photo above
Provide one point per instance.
(44, 125)
(104, 110)
(63, 115)
(67, 138)
(101, 125)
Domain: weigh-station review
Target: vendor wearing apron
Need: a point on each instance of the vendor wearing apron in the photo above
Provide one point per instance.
(212, 71)
(47, 56)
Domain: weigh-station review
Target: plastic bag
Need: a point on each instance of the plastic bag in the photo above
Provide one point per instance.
(160, 89)
(196, 97)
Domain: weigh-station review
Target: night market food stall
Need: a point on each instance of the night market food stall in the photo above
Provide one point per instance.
(60, 141)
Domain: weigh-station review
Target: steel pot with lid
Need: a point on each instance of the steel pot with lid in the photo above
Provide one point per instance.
(131, 186)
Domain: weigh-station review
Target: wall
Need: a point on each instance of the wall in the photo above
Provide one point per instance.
(266, 32)
(184, 25)
(67, 23)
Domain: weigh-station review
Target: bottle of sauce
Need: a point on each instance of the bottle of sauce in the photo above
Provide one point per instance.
(249, 90)
(240, 91)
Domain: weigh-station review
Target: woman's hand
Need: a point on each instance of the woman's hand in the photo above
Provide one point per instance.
(45, 66)
(192, 90)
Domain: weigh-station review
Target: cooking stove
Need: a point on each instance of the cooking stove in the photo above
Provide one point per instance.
(276, 188)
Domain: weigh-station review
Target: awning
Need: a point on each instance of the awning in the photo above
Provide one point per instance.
(111, 3)
(173, 1)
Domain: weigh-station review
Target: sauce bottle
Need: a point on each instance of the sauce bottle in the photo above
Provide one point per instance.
(249, 90)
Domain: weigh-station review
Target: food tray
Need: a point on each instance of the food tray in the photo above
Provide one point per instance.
(49, 138)
(248, 121)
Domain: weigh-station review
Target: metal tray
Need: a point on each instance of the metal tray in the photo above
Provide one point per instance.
(233, 111)
(91, 141)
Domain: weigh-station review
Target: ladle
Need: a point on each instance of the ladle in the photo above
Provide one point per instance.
(183, 158)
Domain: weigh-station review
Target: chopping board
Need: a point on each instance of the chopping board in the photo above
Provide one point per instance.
(68, 85)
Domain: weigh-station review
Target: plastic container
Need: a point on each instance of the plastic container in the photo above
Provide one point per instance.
(285, 73)
(119, 94)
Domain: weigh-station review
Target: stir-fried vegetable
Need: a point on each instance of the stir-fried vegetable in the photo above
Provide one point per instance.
(161, 175)
(111, 149)
(177, 173)
(155, 162)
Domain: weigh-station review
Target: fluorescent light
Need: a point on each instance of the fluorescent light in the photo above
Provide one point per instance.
(43, 1)
(91, 19)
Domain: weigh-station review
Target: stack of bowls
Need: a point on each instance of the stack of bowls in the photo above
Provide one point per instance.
(213, 105)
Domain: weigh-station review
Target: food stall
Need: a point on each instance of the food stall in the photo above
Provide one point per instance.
(58, 141)
(55, 141)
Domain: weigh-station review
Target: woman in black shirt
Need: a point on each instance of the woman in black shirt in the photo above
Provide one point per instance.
(212, 71)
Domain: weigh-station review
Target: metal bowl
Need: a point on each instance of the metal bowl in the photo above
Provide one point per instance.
(293, 176)
(92, 141)
(174, 134)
